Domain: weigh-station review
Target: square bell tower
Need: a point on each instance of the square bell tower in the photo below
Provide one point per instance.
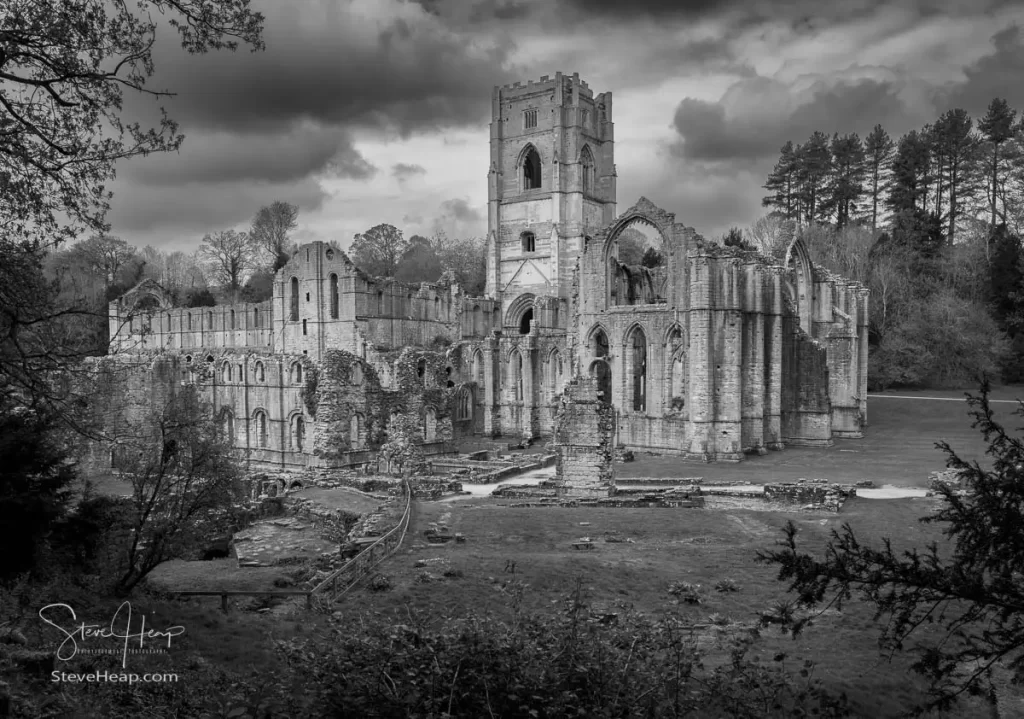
(551, 182)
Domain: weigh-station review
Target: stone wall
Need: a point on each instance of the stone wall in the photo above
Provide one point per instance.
(584, 442)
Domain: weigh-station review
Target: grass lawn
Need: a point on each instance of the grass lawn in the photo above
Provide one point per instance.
(668, 545)
(351, 500)
(898, 446)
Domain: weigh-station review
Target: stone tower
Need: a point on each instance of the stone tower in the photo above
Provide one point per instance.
(551, 181)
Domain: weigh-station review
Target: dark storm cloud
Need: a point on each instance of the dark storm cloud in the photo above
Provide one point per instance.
(325, 64)
(179, 217)
(283, 157)
(403, 171)
(758, 115)
(997, 74)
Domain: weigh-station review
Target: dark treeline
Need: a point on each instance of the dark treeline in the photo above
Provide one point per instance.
(931, 222)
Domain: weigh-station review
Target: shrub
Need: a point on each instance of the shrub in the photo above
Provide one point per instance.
(380, 583)
(686, 592)
(727, 585)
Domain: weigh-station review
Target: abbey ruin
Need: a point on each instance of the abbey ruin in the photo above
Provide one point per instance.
(701, 350)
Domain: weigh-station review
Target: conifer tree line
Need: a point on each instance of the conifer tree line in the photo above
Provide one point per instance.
(952, 170)
(931, 222)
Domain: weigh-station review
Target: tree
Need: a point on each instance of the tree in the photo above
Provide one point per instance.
(997, 128)
(813, 164)
(878, 151)
(270, 231)
(379, 250)
(183, 475)
(957, 146)
(65, 68)
(105, 256)
(846, 184)
(419, 262)
(771, 234)
(907, 190)
(465, 258)
(782, 183)
(34, 482)
(734, 238)
(229, 256)
(972, 595)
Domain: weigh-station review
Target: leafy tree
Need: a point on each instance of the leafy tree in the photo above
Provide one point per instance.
(183, 476)
(229, 256)
(65, 68)
(104, 256)
(270, 231)
(465, 258)
(34, 482)
(379, 250)
(878, 152)
(419, 262)
(258, 288)
(734, 238)
(972, 594)
(997, 128)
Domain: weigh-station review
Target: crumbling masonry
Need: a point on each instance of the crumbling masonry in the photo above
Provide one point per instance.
(712, 352)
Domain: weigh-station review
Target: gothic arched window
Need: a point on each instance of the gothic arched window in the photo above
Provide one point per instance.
(531, 170)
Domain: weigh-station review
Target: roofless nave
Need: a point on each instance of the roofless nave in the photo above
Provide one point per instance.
(702, 350)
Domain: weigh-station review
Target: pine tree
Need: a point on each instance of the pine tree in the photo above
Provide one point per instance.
(957, 146)
(878, 153)
(997, 127)
(908, 185)
(781, 183)
(846, 184)
(814, 161)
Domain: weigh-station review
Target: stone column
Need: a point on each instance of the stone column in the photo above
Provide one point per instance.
(753, 361)
(728, 388)
(701, 380)
(492, 427)
(528, 349)
(773, 363)
(584, 438)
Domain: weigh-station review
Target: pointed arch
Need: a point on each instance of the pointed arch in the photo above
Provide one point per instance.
(333, 281)
(515, 374)
(518, 308)
(259, 428)
(635, 352)
(530, 168)
(587, 176)
(597, 341)
(297, 425)
(556, 373)
(478, 368)
(356, 425)
(227, 424)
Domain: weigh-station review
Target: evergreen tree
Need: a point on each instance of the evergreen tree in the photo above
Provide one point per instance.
(957, 146)
(878, 152)
(781, 183)
(997, 128)
(813, 164)
(846, 184)
(908, 186)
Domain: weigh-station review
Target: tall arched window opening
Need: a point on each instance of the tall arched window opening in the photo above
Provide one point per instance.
(354, 425)
(256, 317)
(525, 321)
(259, 428)
(529, 242)
(294, 316)
(227, 423)
(298, 432)
(638, 370)
(531, 170)
(334, 296)
(587, 170)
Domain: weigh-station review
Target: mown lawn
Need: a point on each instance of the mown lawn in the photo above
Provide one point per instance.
(668, 545)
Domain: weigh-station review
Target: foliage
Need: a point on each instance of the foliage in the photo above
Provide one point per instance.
(686, 592)
(970, 595)
(555, 664)
(258, 288)
(270, 232)
(465, 258)
(35, 478)
(734, 238)
(229, 256)
(771, 234)
(65, 68)
(419, 262)
(183, 475)
(379, 250)
(402, 448)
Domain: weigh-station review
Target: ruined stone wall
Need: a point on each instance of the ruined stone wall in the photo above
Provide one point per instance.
(584, 442)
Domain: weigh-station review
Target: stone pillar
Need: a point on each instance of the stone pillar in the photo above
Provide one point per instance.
(492, 427)
(728, 387)
(753, 361)
(773, 363)
(584, 439)
(528, 349)
(700, 380)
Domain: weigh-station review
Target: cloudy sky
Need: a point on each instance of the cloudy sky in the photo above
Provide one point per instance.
(370, 111)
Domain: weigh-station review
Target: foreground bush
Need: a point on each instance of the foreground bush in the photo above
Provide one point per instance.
(561, 664)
